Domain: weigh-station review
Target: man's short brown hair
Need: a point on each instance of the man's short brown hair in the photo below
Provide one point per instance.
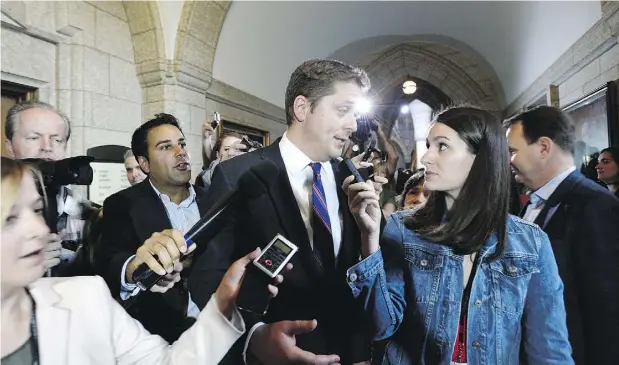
(314, 79)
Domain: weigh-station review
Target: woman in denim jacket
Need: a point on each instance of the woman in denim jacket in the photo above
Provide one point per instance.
(459, 281)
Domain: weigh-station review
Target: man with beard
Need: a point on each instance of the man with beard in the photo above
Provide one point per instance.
(150, 219)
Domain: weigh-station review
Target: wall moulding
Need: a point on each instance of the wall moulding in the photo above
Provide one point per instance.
(238, 99)
(9, 22)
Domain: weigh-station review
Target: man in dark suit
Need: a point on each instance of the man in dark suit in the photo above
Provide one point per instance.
(149, 219)
(320, 108)
(581, 219)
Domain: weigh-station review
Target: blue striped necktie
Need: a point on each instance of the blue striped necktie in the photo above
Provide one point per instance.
(321, 224)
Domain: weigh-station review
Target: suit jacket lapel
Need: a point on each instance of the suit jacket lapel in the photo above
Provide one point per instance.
(53, 323)
(348, 223)
(201, 200)
(556, 198)
(149, 214)
(287, 209)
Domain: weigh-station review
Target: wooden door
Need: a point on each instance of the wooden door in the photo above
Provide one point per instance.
(11, 95)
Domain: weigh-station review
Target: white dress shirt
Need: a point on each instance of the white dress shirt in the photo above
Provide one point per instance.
(301, 178)
(541, 196)
(182, 217)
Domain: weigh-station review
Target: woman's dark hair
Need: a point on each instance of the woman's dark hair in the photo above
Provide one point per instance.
(614, 152)
(481, 208)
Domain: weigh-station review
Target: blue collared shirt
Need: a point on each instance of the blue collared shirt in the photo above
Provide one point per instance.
(182, 217)
(541, 195)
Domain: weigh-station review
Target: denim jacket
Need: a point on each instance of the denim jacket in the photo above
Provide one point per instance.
(411, 291)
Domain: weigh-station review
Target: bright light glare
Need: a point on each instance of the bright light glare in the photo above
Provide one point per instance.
(409, 87)
(404, 109)
(364, 106)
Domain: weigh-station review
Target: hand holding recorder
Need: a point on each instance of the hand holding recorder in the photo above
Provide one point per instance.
(230, 286)
(264, 269)
(363, 202)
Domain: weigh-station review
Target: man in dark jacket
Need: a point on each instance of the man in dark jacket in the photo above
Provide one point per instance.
(581, 219)
(147, 219)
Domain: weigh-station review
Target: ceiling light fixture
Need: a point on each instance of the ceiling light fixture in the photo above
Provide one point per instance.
(409, 87)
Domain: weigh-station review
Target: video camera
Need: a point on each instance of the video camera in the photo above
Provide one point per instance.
(70, 171)
(56, 174)
(365, 126)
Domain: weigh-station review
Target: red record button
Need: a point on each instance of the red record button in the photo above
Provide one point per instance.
(268, 262)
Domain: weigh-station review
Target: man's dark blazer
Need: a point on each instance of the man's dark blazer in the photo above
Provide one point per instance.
(584, 233)
(305, 292)
(130, 217)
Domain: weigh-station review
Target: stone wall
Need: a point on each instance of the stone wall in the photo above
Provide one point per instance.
(590, 63)
(104, 64)
(185, 86)
(80, 56)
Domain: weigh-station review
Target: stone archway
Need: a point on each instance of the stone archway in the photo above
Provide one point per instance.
(434, 58)
(148, 44)
(447, 65)
(177, 86)
(196, 41)
(458, 76)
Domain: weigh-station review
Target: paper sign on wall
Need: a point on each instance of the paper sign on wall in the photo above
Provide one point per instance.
(108, 178)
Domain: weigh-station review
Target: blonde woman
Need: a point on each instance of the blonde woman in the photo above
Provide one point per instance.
(75, 321)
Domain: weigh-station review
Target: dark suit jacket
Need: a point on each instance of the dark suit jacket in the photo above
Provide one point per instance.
(584, 233)
(130, 217)
(305, 293)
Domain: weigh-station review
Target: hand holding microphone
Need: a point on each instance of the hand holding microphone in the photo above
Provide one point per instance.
(363, 202)
(365, 208)
(168, 246)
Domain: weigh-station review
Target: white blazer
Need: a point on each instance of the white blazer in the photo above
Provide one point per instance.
(79, 323)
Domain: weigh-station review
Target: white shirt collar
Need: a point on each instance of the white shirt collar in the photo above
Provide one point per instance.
(546, 191)
(190, 199)
(295, 160)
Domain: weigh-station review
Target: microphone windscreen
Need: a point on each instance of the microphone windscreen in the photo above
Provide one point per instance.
(256, 181)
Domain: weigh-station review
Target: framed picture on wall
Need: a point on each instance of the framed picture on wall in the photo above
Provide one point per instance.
(254, 134)
(597, 125)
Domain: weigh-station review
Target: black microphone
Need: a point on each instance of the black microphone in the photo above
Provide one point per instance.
(252, 184)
